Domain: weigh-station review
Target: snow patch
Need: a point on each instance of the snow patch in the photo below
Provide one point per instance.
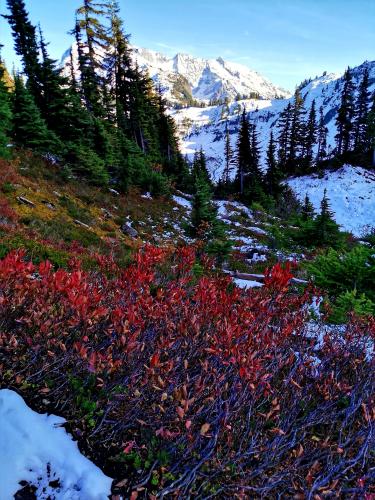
(36, 448)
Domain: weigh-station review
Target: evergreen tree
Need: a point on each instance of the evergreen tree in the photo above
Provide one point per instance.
(308, 211)
(229, 159)
(310, 139)
(284, 125)
(296, 133)
(344, 120)
(29, 128)
(5, 115)
(200, 168)
(326, 229)
(371, 130)
(26, 45)
(360, 114)
(274, 175)
(244, 154)
(95, 39)
(321, 137)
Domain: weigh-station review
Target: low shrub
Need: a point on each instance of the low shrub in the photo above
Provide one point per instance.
(183, 385)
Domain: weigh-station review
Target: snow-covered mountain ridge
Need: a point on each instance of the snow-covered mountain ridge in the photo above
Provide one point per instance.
(205, 128)
(185, 79)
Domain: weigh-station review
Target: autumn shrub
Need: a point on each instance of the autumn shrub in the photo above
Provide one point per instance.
(183, 385)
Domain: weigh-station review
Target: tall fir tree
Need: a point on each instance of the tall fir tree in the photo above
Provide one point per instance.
(5, 115)
(296, 133)
(283, 139)
(361, 110)
(344, 120)
(92, 38)
(309, 141)
(29, 129)
(249, 177)
(308, 211)
(371, 130)
(321, 137)
(274, 175)
(26, 46)
(228, 159)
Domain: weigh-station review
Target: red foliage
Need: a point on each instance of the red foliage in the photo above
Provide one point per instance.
(202, 363)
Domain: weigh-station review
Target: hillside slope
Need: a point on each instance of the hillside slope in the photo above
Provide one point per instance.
(351, 191)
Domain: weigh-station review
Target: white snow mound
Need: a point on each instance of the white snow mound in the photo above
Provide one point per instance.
(36, 449)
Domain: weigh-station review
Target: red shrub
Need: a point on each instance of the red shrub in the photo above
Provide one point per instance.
(224, 384)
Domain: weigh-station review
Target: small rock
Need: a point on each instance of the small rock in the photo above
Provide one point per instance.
(107, 214)
(25, 201)
(49, 205)
(113, 191)
(79, 223)
(129, 231)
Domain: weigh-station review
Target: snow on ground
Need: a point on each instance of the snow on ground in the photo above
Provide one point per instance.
(183, 202)
(247, 283)
(35, 448)
(351, 191)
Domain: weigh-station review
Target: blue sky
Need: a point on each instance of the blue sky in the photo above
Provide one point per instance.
(286, 40)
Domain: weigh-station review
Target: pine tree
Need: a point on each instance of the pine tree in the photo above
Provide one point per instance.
(310, 139)
(274, 175)
(229, 159)
(344, 120)
(29, 128)
(95, 40)
(244, 155)
(5, 115)
(326, 229)
(371, 130)
(26, 45)
(296, 133)
(284, 125)
(308, 211)
(321, 137)
(360, 114)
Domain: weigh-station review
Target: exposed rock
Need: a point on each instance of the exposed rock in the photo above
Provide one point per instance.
(113, 191)
(107, 214)
(25, 201)
(80, 223)
(49, 205)
(129, 231)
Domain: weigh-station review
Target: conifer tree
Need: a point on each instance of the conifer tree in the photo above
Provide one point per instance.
(326, 229)
(321, 137)
(5, 115)
(344, 120)
(310, 139)
(371, 130)
(29, 128)
(274, 175)
(360, 114)
(308, 211)
(296, 133)
(229, 159)
(89, 23)
(284, 125)
(26, 45)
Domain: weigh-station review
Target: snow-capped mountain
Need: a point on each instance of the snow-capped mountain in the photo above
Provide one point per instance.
(187, 80)
(205, 127)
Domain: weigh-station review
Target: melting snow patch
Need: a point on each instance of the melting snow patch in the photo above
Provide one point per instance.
(247, 283)
(182, 202)
(36, 449)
